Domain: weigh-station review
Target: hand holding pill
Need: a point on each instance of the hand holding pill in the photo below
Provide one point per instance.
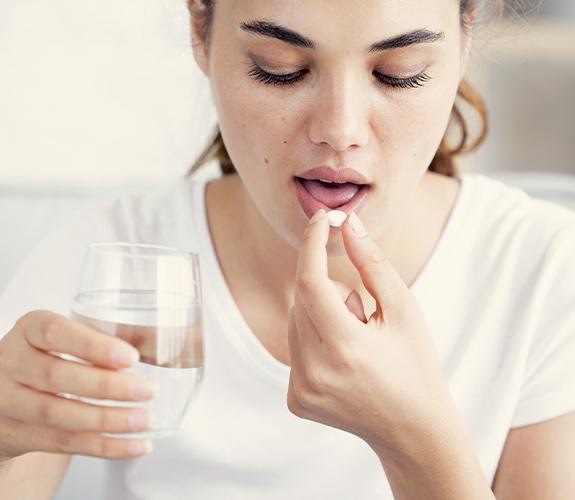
(371, 377)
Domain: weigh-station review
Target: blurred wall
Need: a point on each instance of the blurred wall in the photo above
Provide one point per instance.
(106, 92)
(525, 69)
(99, 92)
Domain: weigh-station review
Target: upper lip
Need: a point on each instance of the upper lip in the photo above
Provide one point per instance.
(333, 175)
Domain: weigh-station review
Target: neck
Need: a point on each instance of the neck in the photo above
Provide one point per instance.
(267, 263)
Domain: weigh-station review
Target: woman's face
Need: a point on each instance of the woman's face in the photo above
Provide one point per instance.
(343, 110)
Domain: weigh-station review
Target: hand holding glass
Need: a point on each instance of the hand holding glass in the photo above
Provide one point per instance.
(149, 296)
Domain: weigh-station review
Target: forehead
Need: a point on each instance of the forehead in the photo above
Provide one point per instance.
(348, 24)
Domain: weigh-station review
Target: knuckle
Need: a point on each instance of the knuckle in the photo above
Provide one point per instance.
(301, 394)
(105, 420)
(347, 357)
(92, 346)
(294, 396)
(315, 380)
(52, 330)
(305, 281)
(374, 260)
(376, 256)
(23, 321)
(306, 399)
(294, 405)
(63, 442)
(50, 375)
(48, 413)
(104, 386)
(106, 448)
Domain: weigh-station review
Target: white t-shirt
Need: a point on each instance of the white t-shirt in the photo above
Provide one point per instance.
(498, 292)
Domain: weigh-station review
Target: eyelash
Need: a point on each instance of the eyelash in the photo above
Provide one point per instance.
(292, 78)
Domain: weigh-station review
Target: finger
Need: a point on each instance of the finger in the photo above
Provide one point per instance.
(352, 300)
(51, 374)
(319, 295)
(355, 306)
(377, 273)
(49, 331)
(40, 408)
(18, 438)
(308, 335)
(294, 343)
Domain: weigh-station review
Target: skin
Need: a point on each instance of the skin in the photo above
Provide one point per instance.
(337, 115)
(303, 274)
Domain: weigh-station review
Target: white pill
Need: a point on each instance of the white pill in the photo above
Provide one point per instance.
(336, 218)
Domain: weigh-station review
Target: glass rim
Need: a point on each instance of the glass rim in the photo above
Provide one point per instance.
(169, 251)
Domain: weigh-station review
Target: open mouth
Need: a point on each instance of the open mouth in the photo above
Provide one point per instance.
(316, 194)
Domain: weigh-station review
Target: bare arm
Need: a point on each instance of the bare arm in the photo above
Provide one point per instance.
(39, 429)
(33, 476)
(538, 461)
(440, 464)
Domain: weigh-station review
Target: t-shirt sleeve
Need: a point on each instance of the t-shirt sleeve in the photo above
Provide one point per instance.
(548, 388)
(48, 276)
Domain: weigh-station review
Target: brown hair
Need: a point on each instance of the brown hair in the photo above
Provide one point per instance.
(444, 161)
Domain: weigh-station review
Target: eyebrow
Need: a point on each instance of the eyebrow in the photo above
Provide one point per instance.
(273, 30)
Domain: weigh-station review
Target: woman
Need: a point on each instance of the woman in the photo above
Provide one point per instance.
(435, 327)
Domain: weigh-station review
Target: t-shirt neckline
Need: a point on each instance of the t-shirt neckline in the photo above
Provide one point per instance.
(233, 321)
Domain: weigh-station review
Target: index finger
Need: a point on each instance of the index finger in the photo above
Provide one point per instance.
(49, 331)
(320, 296)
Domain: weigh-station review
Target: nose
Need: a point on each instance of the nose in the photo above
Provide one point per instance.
(340, 116)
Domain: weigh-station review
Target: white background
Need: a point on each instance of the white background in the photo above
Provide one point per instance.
(99, 92)
(108, 92)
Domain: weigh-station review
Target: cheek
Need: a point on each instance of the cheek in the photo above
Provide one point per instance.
(416, 124)
(254, 123)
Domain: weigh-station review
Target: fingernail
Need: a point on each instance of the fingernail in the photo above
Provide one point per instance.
(125, 356)
(136, 448)
(356, 225)
(143, 390)
(317, 216)
(140, 420)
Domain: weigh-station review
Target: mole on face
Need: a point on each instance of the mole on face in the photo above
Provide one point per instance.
(285, 142)
(266, 160)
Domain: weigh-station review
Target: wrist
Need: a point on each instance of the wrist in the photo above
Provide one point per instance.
(410, 437)
(434, 461)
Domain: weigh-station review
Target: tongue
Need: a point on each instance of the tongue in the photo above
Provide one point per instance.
(332, 197)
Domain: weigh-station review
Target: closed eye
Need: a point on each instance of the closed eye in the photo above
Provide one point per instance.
(267, 78)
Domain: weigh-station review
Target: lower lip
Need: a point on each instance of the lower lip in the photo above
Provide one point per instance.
(310, 205)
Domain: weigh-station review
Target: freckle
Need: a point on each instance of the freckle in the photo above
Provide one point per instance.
(283, 118)
(267, 161)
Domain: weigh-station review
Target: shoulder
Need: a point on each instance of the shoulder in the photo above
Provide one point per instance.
(502, 218)
(500, 201)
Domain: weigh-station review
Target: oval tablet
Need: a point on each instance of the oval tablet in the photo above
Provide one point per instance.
(336, 218)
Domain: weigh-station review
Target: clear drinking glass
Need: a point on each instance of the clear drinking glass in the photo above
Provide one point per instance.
(151, 297)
